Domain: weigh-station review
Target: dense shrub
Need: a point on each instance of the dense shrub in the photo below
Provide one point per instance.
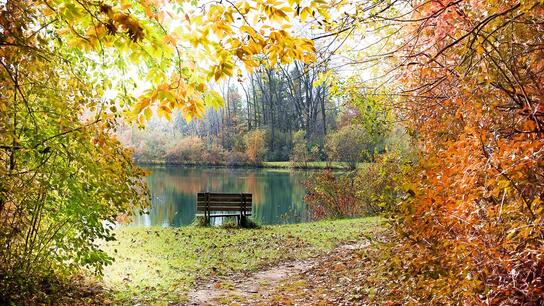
(188, 149)
(148, 149)
(472, 233)
(214, 154)
(332, 196)
(234, 158)
(379, 183)
(315, 153)
(300, 154)
(370, 190)
(255, 143)
(349, 144)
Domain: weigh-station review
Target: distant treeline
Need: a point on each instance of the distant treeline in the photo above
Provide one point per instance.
(276, 115)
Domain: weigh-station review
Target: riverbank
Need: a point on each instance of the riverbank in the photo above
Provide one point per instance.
(161, 265)
(308, 165)
(271, 165)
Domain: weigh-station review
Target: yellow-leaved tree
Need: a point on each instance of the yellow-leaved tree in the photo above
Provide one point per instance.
(69, 69)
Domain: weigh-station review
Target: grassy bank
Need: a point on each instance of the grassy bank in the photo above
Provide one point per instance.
(158, 265)
(308, 165)
(273, 165)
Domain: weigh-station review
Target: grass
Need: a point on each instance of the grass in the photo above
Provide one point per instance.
(308, 165)
(158, 265)
(275, 164)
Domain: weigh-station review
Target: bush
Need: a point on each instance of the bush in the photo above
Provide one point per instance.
(369, 191)
(188, 149)
(377, 183)
(350, 144)
(255, 145)
(299, 154)
(315, 153)
(214, 154)
(234, 158)
(331, 196)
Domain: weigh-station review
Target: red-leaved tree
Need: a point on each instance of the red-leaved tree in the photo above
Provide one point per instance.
(474, 230)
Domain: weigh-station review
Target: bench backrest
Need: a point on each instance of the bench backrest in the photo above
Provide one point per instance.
(207, 201)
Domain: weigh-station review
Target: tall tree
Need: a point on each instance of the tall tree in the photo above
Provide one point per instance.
(471, 80)
(69, 69)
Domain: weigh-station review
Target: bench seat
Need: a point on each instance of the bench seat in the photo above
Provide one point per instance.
(212, 205)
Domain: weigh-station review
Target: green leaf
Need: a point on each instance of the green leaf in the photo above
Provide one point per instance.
(213, 99)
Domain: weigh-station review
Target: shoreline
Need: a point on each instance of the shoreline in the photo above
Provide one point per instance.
(262, 165)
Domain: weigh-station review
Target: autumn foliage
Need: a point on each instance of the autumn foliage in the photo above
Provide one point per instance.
(369, 190)
(474, 230)
(69, 70)
(255, 145)
(332, 196)
(470, 77)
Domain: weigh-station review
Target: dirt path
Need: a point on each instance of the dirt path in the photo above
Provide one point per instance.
(267, 286)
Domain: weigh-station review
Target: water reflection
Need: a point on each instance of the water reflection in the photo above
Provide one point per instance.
(278, 195)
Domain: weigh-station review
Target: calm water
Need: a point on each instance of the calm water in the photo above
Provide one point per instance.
(278, 195)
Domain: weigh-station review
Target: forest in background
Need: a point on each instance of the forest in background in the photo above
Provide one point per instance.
(286, 113)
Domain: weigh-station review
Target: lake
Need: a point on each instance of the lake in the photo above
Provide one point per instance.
(278, 195)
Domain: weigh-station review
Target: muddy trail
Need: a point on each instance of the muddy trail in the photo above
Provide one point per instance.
(327, 279)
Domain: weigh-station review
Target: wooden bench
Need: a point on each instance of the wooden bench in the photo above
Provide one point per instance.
(224, 204)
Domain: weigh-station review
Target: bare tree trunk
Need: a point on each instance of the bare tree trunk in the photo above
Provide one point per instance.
(323, 98)
(248, 111)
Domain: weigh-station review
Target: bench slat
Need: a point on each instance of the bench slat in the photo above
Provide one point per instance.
(216, 199)
(223, 215)
(224, 195)
(214, 205)
(221, 202)
(223, 198)
(222, 208)
(203, 194)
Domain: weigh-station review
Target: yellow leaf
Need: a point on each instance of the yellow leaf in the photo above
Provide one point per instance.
(125, 4)
(213, 99)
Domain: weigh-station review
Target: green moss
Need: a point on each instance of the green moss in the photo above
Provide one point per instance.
(157, 265)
